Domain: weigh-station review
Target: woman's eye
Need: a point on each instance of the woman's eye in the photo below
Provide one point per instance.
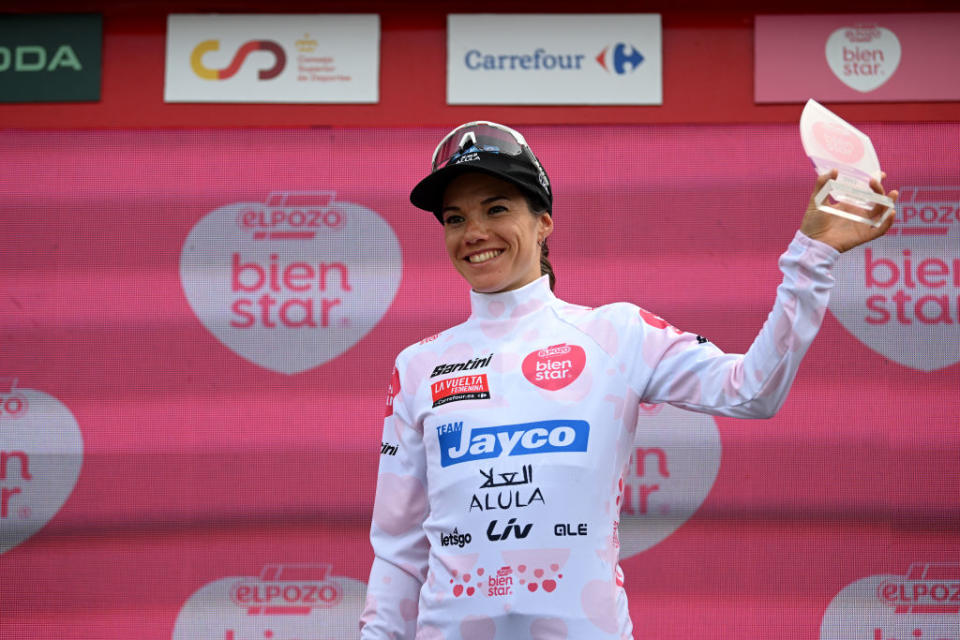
(497, 208)
(452, 220)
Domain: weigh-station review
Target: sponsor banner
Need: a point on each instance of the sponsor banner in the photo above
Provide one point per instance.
(460, 388)
(285, 601)
(554, 59)
(900, 295)
(50, 58)
(272, 58)
(478, 443)
(924, 603)
(41, 452)
(287, 283)
(857, 57)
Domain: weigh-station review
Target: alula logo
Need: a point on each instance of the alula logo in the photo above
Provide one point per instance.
(37, 58)
(620, 58)
(205, 72)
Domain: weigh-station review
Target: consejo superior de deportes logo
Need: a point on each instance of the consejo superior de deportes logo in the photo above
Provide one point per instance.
(196, 59)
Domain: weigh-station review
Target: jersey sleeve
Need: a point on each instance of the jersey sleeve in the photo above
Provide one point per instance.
(400, 545)
(689, 372)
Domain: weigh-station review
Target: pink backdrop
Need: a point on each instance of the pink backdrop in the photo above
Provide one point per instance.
(217, 480)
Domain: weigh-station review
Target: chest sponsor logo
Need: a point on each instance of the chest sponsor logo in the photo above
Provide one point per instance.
(554, 367)
(387, 449)
(923, 604)
(41, 453)
(285, 283)
(900, 295)
(469, 365)
(460, 388)
(506, 498)
(284, 601)
(497, 532)
(459, 445)
(567, 529)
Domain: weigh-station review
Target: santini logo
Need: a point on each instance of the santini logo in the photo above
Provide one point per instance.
(548, 436)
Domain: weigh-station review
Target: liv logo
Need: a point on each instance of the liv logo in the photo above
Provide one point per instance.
(279, 59)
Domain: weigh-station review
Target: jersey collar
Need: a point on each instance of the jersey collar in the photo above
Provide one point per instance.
(510, 305)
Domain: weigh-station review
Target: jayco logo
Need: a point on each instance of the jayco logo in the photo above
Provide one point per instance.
(41, 452)
(620, 58)
(285, 283)
(285, 601)
(923, 604)
(900, 295)
(202, 71)
(479, 443)
(863, 57)
(554, 367)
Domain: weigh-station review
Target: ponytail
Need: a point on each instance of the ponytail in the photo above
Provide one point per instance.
(538, 208)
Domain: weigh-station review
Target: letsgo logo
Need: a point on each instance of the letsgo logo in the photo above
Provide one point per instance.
(479, 443)
(279, 59)
(900, 296)
(285, 602)
(285, 283)
(41, 453)
(924, 604)
(620, 58)
(863, 56)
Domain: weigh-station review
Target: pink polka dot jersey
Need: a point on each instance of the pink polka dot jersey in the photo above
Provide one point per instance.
(505, 441)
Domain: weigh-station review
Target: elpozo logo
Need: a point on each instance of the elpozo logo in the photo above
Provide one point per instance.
(41, 453)
(285, 602)
(863, 56)
(554, 59)
(272, 58)
(923, 604)
(292, 282)
(900, 295)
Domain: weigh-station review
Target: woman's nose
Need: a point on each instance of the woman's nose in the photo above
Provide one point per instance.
(476, 229)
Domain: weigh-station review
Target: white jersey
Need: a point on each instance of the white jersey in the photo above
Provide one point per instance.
(506, 439)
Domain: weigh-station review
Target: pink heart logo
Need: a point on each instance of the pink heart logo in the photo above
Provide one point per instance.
(554, 367)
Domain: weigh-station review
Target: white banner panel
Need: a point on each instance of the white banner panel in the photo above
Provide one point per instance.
(272, 58)
(554, 59)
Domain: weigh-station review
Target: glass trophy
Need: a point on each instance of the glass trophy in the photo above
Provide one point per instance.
(832, 143)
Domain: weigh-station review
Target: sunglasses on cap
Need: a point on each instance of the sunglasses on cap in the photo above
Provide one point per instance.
(479, 136)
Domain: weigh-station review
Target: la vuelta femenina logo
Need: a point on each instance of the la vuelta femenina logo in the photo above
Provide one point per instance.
(923, 604)
(285, 602)
(293, 282)
(900, 295)
(41, 452)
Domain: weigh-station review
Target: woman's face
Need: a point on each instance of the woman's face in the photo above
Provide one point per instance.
(491, 234)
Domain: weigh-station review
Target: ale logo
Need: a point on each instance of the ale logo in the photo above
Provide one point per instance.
(41, 452)
(554, 367)
(863, 57)
(674, 464)
(291, 283)
(279, 59)
(900, 294)
(924, 604)
(285, 602)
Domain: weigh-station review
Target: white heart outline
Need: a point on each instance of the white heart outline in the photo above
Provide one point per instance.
(890, 47)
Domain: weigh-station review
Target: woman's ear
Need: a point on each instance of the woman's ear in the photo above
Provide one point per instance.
(544, 226)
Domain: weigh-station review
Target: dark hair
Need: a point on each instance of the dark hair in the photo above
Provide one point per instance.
(538, 208)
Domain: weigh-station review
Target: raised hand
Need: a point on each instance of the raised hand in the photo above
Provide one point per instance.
(840, 233)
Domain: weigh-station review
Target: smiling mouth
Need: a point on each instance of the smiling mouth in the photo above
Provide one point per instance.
(477, 258)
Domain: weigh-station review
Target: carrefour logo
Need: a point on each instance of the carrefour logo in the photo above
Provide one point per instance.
(620, 58)
(279, 55)
(546, 436)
